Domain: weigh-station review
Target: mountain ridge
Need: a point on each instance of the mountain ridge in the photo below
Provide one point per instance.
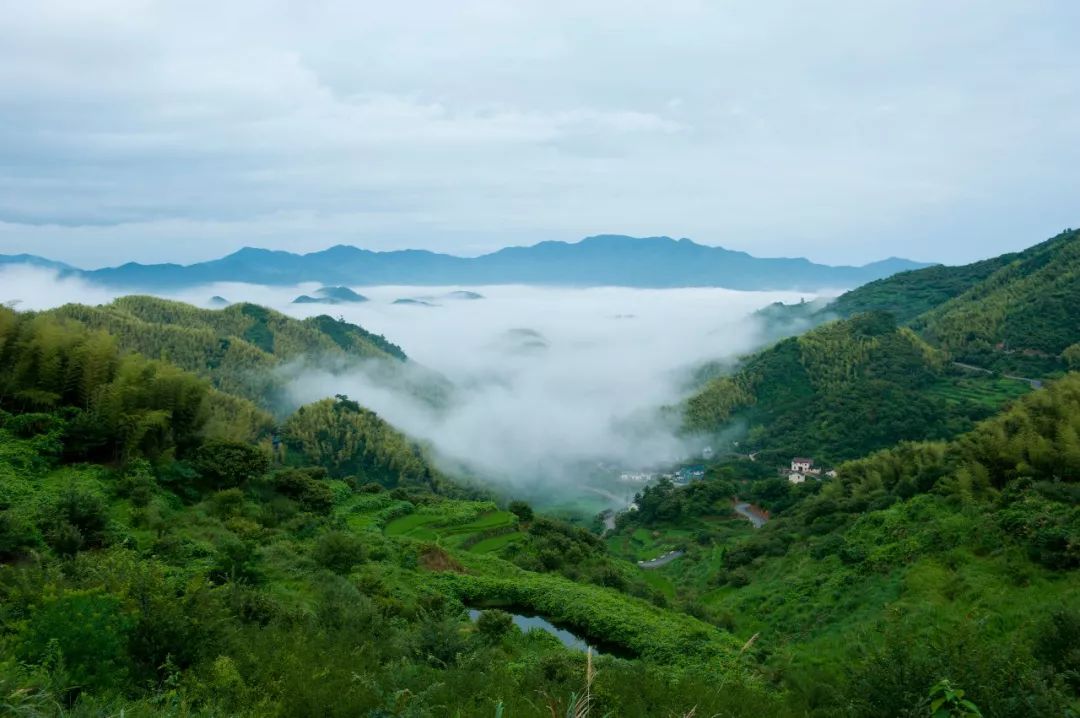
(599, 260)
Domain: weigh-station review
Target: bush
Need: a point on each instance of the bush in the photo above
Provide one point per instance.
(305, 487)
(138, 483)
(227, 503)
(228, 464)
(83, 635)
(1058, 645)
(77, 519)
(338, 551)
(16, 535)
(494, 624)
(521, 509)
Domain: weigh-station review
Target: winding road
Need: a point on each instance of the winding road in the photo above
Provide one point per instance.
(662, 561)
(1035, 383)
(744, 510)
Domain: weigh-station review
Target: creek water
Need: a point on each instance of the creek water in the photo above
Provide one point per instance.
(528, 623)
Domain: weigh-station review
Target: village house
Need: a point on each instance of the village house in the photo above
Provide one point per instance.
(802, 469)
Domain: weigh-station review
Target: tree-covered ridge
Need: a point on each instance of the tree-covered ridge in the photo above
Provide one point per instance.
(909, 295)
(836, 392)
(349, 440)
(112, 403)
(1013, 315)
(237, 348)
(268, 330)
(1028, 306)
(955, 558)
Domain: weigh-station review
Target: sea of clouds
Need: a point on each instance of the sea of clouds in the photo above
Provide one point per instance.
(548, 380)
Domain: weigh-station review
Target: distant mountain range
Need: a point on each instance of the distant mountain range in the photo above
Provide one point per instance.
(606, 260)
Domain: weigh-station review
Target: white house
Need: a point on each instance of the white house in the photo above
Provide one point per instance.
(801, 465)
(796, 477)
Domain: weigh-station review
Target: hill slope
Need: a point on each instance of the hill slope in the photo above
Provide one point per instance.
(1022, 317)
(908, 295)
(842, 390)
(607, 260)
(958, 559)
(237, 348)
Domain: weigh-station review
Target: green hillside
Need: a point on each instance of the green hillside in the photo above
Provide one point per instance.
(1020, 318)
(843, 390)
(238, 348)
(837, 391)
(909, 295)
(955, 559)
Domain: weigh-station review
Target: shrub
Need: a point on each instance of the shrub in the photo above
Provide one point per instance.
(228, 464)
(494, 624)
(138, 483)
(338, 551)
(521, 509)
(84, 634)
(311, 493)
(16, 535)
(76, 519)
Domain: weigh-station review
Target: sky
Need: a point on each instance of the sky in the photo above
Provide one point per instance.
(842, 130)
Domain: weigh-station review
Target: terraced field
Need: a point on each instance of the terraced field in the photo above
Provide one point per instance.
(487, 532)
(987, 392)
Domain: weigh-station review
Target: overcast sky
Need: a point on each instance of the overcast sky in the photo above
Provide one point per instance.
(845, 131)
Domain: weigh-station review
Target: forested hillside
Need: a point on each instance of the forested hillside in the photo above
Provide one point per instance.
(956, 559)
(1021, 318)
(843, 390)
(909, 295)
(239, 347)
(972, 334)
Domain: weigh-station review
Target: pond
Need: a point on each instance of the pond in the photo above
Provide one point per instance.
(528, 623)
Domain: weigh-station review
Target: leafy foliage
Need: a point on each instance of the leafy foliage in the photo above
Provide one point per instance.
(837, 392)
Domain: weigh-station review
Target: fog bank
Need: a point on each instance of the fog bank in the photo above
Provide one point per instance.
(548, 380)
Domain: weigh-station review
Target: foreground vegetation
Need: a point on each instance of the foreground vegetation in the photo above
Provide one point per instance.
(951, 559)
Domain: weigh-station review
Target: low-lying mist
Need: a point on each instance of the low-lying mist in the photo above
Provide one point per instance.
(549, 381)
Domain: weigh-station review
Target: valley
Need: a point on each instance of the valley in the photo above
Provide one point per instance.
(824, 524)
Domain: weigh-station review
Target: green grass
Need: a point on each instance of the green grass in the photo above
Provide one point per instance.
(406, 525)
(642, 545)
(445, 529)
(490, 545)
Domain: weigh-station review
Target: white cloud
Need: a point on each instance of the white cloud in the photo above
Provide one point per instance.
(535, 409)
(147, 130)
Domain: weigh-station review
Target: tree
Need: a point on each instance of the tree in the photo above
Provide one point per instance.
(522, 510)
(228, 464)
(494, 624)
(338, 551)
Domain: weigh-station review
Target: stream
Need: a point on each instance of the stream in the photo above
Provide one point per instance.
(528, 623)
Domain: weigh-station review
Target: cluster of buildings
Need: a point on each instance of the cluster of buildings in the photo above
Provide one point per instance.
(679, 477)
(803, 468)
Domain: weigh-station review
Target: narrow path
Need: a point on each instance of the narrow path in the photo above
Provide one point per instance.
(1035, 383)
(662, 561)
